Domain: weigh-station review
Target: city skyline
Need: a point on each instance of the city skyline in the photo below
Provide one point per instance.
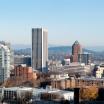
(65, 20)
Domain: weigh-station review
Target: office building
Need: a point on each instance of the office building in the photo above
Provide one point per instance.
(11, 51)
(76, 49)
(5, 62)
(85, 58)
(39, 49)
(23, 73)
(14, 95)
(21, 59)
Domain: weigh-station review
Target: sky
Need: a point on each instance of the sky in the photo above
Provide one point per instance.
(66, 21)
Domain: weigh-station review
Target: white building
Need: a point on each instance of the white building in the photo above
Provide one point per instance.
(99, 71)
(66, 95)
(59, 76)
(11, 51)
(5, 62)
(67, 61)
(18, 92)
(13, 92)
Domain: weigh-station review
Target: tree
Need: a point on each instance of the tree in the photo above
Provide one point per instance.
(89, 93)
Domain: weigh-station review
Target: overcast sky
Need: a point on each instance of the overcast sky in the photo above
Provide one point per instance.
(66, 21)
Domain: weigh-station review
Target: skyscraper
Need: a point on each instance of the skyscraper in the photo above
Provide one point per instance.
(76, 50)
(5, 62)
(39, 49)
(85, 58)
(11, 51)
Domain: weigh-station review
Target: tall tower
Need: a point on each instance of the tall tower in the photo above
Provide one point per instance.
(7, 44)
(76, 50)
(5, 61)
(39, 49)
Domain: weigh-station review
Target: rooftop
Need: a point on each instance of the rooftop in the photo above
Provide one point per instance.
(17, 88)
(91, 78)
(76, 42)
(48, 90)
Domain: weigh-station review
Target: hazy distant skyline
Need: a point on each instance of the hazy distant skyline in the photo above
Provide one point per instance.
(66, 21)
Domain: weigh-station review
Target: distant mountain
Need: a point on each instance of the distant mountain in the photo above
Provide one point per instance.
(24, 46)
(52, 46)
(52, 50)
(60, 49)
(57, 51)
(96, 48)
(21, 46)
(66, 49)
(26, 51)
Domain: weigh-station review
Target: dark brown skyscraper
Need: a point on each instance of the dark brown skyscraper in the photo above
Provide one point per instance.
(76, 50)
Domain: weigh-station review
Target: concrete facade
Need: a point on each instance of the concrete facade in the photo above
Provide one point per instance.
(39, 49)
(5, 62)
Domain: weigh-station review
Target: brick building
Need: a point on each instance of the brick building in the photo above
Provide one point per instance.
(76, 50)
(63, 84)
(23, 73)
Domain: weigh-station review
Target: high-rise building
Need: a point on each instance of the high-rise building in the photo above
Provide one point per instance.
(5, 62)
(11, 51)
(76, 49)
(39, 49)
(85, 58)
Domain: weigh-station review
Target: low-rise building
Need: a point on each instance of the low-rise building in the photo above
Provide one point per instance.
(67, 60)
(34, 94)
(89, 81)
(21, 59)
(98, 71)
(15, 93)
(59, 76)
(23, 72)
(52, 94)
